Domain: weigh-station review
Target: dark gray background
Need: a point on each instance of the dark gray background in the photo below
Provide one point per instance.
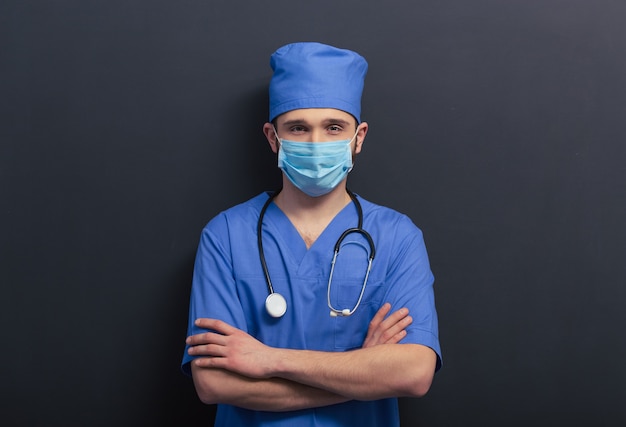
(498, 126)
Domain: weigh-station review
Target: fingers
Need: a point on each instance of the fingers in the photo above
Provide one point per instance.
(219, 330)
(380, 315)
(390, 330)
(216, 325)
(205, 338)
(397, 317)
(395, 326)
(206, 344)
(209, 362)
(395, 333)
(208, 350)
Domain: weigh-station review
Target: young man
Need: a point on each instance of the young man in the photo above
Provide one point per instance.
(289, 320)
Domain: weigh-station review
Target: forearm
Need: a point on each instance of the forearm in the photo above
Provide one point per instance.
(235, 368)
(390, 370)
(273, 394)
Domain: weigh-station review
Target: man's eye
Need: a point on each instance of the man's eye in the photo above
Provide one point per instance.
(298, 129)
(335, 128)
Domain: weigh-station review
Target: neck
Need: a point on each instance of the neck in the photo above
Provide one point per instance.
(292, 200)
(311, 215)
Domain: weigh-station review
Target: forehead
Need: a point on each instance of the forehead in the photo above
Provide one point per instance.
(314, 116)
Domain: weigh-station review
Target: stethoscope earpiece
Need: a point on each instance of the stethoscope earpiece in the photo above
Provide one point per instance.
(342, 313)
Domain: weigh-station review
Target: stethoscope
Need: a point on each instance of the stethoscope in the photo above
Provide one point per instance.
(275, 303)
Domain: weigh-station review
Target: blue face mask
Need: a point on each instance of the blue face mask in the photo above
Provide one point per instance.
(315, 167)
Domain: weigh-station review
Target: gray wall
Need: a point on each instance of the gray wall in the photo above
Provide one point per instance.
(498, 126)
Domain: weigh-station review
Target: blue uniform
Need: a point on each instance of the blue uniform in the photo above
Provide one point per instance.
(229, 284)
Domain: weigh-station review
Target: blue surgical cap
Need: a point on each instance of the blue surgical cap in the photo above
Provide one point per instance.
(315, 75)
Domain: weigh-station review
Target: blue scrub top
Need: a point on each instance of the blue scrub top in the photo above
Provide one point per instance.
(229, 284)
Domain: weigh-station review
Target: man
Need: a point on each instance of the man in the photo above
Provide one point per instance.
(261, 343)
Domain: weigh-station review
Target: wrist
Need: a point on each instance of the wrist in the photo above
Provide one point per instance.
(277, 362)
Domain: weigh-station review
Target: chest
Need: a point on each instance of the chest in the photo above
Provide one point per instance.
(310, 231)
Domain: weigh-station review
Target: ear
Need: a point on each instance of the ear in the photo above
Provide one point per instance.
(360, 137)
(270, 135)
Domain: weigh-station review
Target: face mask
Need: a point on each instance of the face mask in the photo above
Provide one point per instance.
(315, 167)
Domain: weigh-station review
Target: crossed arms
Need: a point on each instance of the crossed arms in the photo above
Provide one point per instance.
(234, 368)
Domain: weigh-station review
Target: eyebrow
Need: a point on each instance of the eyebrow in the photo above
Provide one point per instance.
(326, 121)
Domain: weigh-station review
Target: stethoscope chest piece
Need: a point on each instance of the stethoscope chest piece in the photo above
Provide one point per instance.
(275, 304)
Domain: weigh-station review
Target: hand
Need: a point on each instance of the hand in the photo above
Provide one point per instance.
(387, 331)
(229, 348)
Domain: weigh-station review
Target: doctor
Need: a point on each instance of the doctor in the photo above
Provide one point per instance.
(293, 364)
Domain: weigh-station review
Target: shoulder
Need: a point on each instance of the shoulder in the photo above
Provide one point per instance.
(250, 207)
(386, 217)
(243, 213)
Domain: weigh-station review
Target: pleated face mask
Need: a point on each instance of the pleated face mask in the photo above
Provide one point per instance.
(315, 168)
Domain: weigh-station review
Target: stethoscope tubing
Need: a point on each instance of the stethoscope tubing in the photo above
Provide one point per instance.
(277, 310)
(259, 234)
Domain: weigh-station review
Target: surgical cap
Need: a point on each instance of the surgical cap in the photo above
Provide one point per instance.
(315, 75)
